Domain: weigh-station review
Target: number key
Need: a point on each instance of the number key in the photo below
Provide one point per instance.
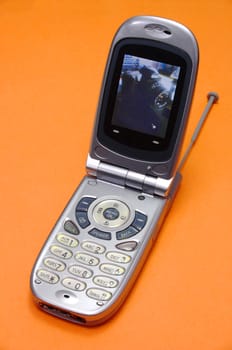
(66, 240)
(86, 259)
(60, 252)
(93, 247)
(54, 264)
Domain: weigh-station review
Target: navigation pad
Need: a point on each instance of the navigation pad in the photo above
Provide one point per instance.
(111, 214)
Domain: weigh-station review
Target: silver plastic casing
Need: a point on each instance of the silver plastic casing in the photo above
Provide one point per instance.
(76, 306)
(163, 31)
(63, 279)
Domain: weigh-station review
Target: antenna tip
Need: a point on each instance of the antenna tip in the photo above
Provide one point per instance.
(214, 95)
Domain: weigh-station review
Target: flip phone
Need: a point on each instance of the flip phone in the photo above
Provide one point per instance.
(99, 244)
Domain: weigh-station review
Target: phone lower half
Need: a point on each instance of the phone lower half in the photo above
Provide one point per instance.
(96, 250)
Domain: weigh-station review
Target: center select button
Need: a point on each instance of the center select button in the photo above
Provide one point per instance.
(111, 213)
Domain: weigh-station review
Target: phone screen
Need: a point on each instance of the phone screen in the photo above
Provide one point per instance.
(144, 100)
(145, 95)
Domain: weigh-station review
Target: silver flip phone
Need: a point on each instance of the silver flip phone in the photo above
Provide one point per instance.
(98, 246)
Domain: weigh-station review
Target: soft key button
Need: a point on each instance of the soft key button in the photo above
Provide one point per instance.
(112, 269)
(71, 227)
(73, 284)
(86, 259)
(82, 219)
(93, 247)
(100, 234)
(84, 203)
(60, 252)
(118, 257)
(98, 294)
(104, 281)
(128, 246)
(54, 264)
(127, 233)
(82, 211)
(66, 240)
(139, 221)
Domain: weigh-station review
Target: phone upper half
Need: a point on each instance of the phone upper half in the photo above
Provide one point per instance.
(146, 95)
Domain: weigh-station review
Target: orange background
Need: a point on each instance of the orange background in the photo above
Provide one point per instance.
(52, 56)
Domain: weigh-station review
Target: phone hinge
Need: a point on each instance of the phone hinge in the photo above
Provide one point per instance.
(124, 177)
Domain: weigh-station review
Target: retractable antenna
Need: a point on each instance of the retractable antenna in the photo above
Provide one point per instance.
(212, 98)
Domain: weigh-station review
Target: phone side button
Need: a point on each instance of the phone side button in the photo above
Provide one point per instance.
(100, 234)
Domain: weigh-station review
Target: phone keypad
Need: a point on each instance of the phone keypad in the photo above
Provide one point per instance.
(107, 280)
(93, 270)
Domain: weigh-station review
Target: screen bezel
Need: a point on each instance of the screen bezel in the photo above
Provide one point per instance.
(131, 143)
